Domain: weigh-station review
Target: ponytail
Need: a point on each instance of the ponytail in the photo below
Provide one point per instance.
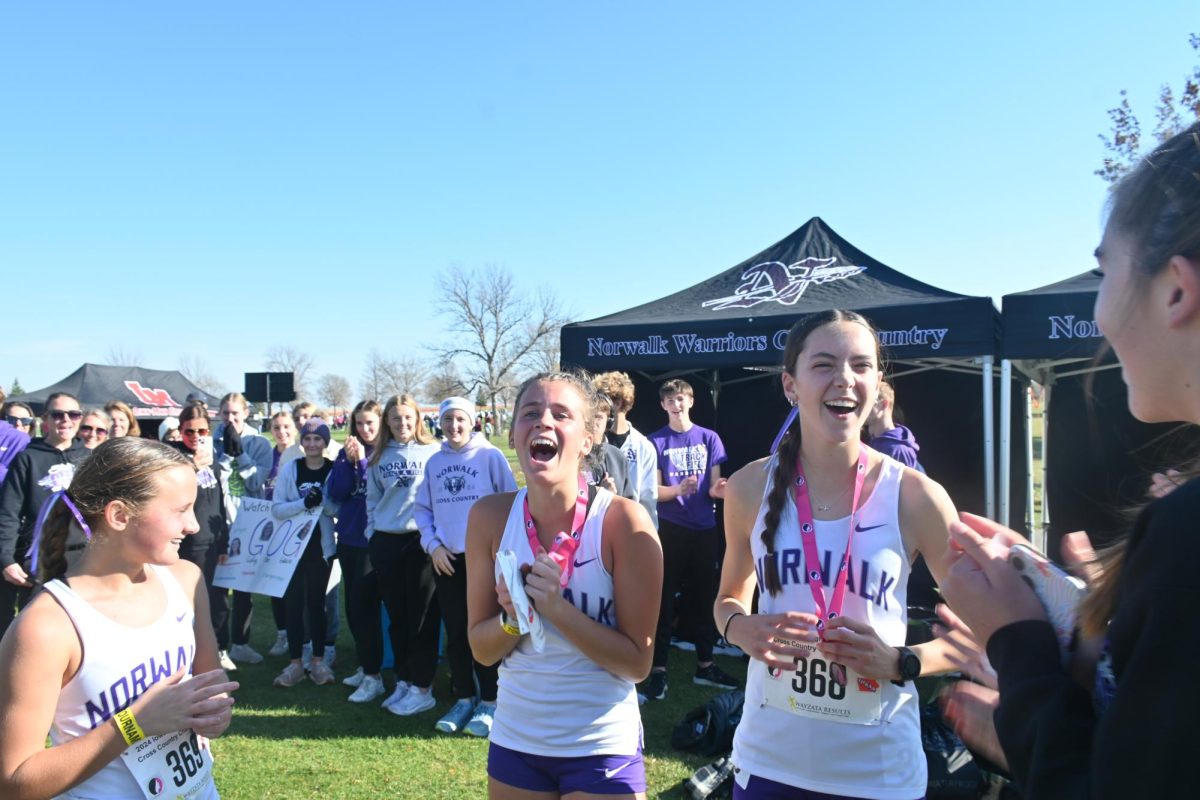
(781, 483)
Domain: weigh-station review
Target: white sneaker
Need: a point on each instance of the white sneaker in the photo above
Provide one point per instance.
(397, 694)
(280, 646)
(226, 662)
(306, 656)
(458, 715)
(246, 654)
(321, 675)
(354, 680)
(416, 701)
(370, 688)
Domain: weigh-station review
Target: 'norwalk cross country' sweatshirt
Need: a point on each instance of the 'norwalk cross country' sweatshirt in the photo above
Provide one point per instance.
(454, 480)
(392, 486)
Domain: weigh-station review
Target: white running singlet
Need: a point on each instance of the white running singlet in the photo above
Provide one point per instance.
(559, 702)
(884, 760)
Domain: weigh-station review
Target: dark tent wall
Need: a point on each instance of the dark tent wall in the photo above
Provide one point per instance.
(1100, 459)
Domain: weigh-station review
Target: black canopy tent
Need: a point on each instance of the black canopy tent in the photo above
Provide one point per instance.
(152, 394)
(1096, 457)
(728, 333)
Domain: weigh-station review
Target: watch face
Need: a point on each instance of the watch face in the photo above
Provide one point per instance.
(910, 666)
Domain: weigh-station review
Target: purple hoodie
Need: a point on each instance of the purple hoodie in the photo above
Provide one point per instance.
(12, 442)
(900, 444)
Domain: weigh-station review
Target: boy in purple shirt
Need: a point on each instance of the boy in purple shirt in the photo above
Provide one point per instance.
(689, 479)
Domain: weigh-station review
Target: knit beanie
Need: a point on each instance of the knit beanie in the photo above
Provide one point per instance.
(457, 404)
(316, 425)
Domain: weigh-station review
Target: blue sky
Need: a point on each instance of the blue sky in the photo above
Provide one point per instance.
(208, 180)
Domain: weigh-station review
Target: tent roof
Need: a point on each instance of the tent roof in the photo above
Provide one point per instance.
(736, 317)
(151, 393)
(1054, 321)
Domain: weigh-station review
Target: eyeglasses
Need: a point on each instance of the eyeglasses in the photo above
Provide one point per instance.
(194, 431)
(59, 416)
(24, 422)
(96, 429)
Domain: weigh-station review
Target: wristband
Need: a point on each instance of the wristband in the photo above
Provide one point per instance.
(729, 619)
(509, 628)
(131, 732)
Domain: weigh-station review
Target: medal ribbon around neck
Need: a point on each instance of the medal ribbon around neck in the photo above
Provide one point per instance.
(808, 538)
(562, 551)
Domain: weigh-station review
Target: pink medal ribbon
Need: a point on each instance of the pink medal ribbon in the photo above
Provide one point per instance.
(808, 538)
(562, 551)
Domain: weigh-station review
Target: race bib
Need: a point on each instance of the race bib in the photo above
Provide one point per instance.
(823, 690)
(176, 765)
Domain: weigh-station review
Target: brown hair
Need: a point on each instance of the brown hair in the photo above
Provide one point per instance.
(116, 405)
(124, 469)
(1157, 208)
(371, 407)
(422, 435)
(674, 387)
(618, 387)
(789, 447)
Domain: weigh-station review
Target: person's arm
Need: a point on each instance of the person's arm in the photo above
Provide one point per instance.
(288, 502)
(342, 480)
(716, 457)
(255, 463)
(637, 570)
(716, 484)
(760, 636)
(423, 515)
(925, 515)
(374, 494)
(485, 526)
(646, 478)
(504, 480)
(669, 493)
(12, 501)
(206, 659)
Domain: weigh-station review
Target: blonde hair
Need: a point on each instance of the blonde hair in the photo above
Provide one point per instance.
(422, 435)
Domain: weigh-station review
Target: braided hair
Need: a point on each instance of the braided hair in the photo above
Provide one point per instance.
(124, 469)
(789, 448)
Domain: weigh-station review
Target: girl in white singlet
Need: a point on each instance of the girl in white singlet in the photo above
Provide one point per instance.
(567, 722)
(831, 710)
(116, 659)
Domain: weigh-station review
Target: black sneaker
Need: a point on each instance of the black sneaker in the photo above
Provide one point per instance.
(712, 675)
(656, 686)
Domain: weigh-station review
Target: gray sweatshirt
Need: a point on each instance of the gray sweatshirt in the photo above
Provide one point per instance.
(454, 480)
(392, 486)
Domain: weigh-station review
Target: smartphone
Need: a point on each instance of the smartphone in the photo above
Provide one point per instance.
(1059, 591)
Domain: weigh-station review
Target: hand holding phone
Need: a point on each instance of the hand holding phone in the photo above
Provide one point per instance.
(1059, 592)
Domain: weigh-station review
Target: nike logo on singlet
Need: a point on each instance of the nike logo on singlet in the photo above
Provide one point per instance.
(864, 528)
(180, 617)
(579, 563)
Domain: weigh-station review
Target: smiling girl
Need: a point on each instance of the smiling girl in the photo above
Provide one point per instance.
(467, 468)
(597, 591)
(140, 616)
(403, 570)
(829, 667)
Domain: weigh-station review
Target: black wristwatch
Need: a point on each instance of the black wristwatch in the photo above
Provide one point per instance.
(910, 666)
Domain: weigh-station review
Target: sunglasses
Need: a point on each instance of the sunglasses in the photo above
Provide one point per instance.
(194, 431)
(24, 422)
(59, 416)
(101, 432)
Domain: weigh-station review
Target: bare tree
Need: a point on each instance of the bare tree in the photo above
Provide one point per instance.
(196, 371)
(444, 383)
(408, 374)
(286, 358)
(494, 325)
(334, 391)
(123, 355)
(546, 357)
(378, 382)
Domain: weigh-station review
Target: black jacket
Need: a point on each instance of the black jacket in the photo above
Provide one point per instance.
(210, 513)
(1143, 744)
(21, 497)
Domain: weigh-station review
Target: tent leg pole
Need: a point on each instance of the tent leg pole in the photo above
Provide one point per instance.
(989, 445)
(1005, 442)
(1043, 533)
(1027, 397)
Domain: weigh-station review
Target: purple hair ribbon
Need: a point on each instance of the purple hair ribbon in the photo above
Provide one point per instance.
(61, 494)
(787, 423)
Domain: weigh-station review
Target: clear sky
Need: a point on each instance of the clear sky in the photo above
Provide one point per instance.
(207, 180)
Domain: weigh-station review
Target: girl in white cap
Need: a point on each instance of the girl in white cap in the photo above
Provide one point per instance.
(467, 468)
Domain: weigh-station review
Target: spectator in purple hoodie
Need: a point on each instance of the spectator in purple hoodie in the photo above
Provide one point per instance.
(886, 436)
(15, 430)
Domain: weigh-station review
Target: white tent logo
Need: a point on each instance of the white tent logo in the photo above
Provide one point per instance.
(774, 281)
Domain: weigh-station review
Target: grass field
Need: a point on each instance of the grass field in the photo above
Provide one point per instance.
(308, 741)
